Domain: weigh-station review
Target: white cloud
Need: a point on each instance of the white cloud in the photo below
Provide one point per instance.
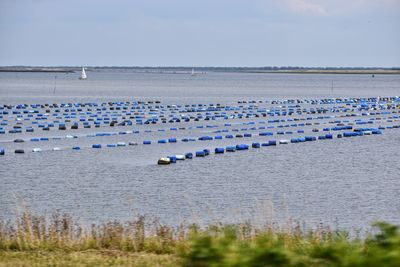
(306, 7)
(334, 7)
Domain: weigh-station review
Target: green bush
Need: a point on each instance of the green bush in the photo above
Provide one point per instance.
(271, 248)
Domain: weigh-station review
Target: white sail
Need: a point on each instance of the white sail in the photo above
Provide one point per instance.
(83, 75)
(193, 73)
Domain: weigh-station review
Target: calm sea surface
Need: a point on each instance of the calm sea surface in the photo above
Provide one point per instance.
(348, 182)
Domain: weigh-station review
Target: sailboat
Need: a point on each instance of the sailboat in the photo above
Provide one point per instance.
(83, 75)
(193, 73)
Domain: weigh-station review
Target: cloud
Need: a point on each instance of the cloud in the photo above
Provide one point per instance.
(306, 7)
(382, 3)
(337, 7)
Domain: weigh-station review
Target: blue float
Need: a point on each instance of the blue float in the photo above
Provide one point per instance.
(255, 145)
(200, 153)
(172, 159)
(219, 150)
(230, 148)
(310, 138)
(242, 147)
(272, 142)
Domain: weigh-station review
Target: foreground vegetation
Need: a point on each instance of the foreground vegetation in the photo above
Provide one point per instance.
(59, 241)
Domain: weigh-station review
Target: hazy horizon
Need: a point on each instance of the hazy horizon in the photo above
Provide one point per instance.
(249, 67)
(234, 33)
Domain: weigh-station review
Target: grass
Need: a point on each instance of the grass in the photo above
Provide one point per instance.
(60, 241)
(85, 258)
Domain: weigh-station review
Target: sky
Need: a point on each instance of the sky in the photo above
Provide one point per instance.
(252, 33)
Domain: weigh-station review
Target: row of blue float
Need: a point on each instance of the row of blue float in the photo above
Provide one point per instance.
(62, 125)
(336, 128)
(331, 118)
(355, 132)
(105, 114)
(350, 100)
(233, 148)
(339, 127)
(216, 137)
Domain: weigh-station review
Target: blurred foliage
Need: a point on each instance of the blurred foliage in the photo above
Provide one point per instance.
(33, 241)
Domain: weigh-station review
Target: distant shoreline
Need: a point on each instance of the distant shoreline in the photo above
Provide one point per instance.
(57, 70)
(185, 70)
(365, 72)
